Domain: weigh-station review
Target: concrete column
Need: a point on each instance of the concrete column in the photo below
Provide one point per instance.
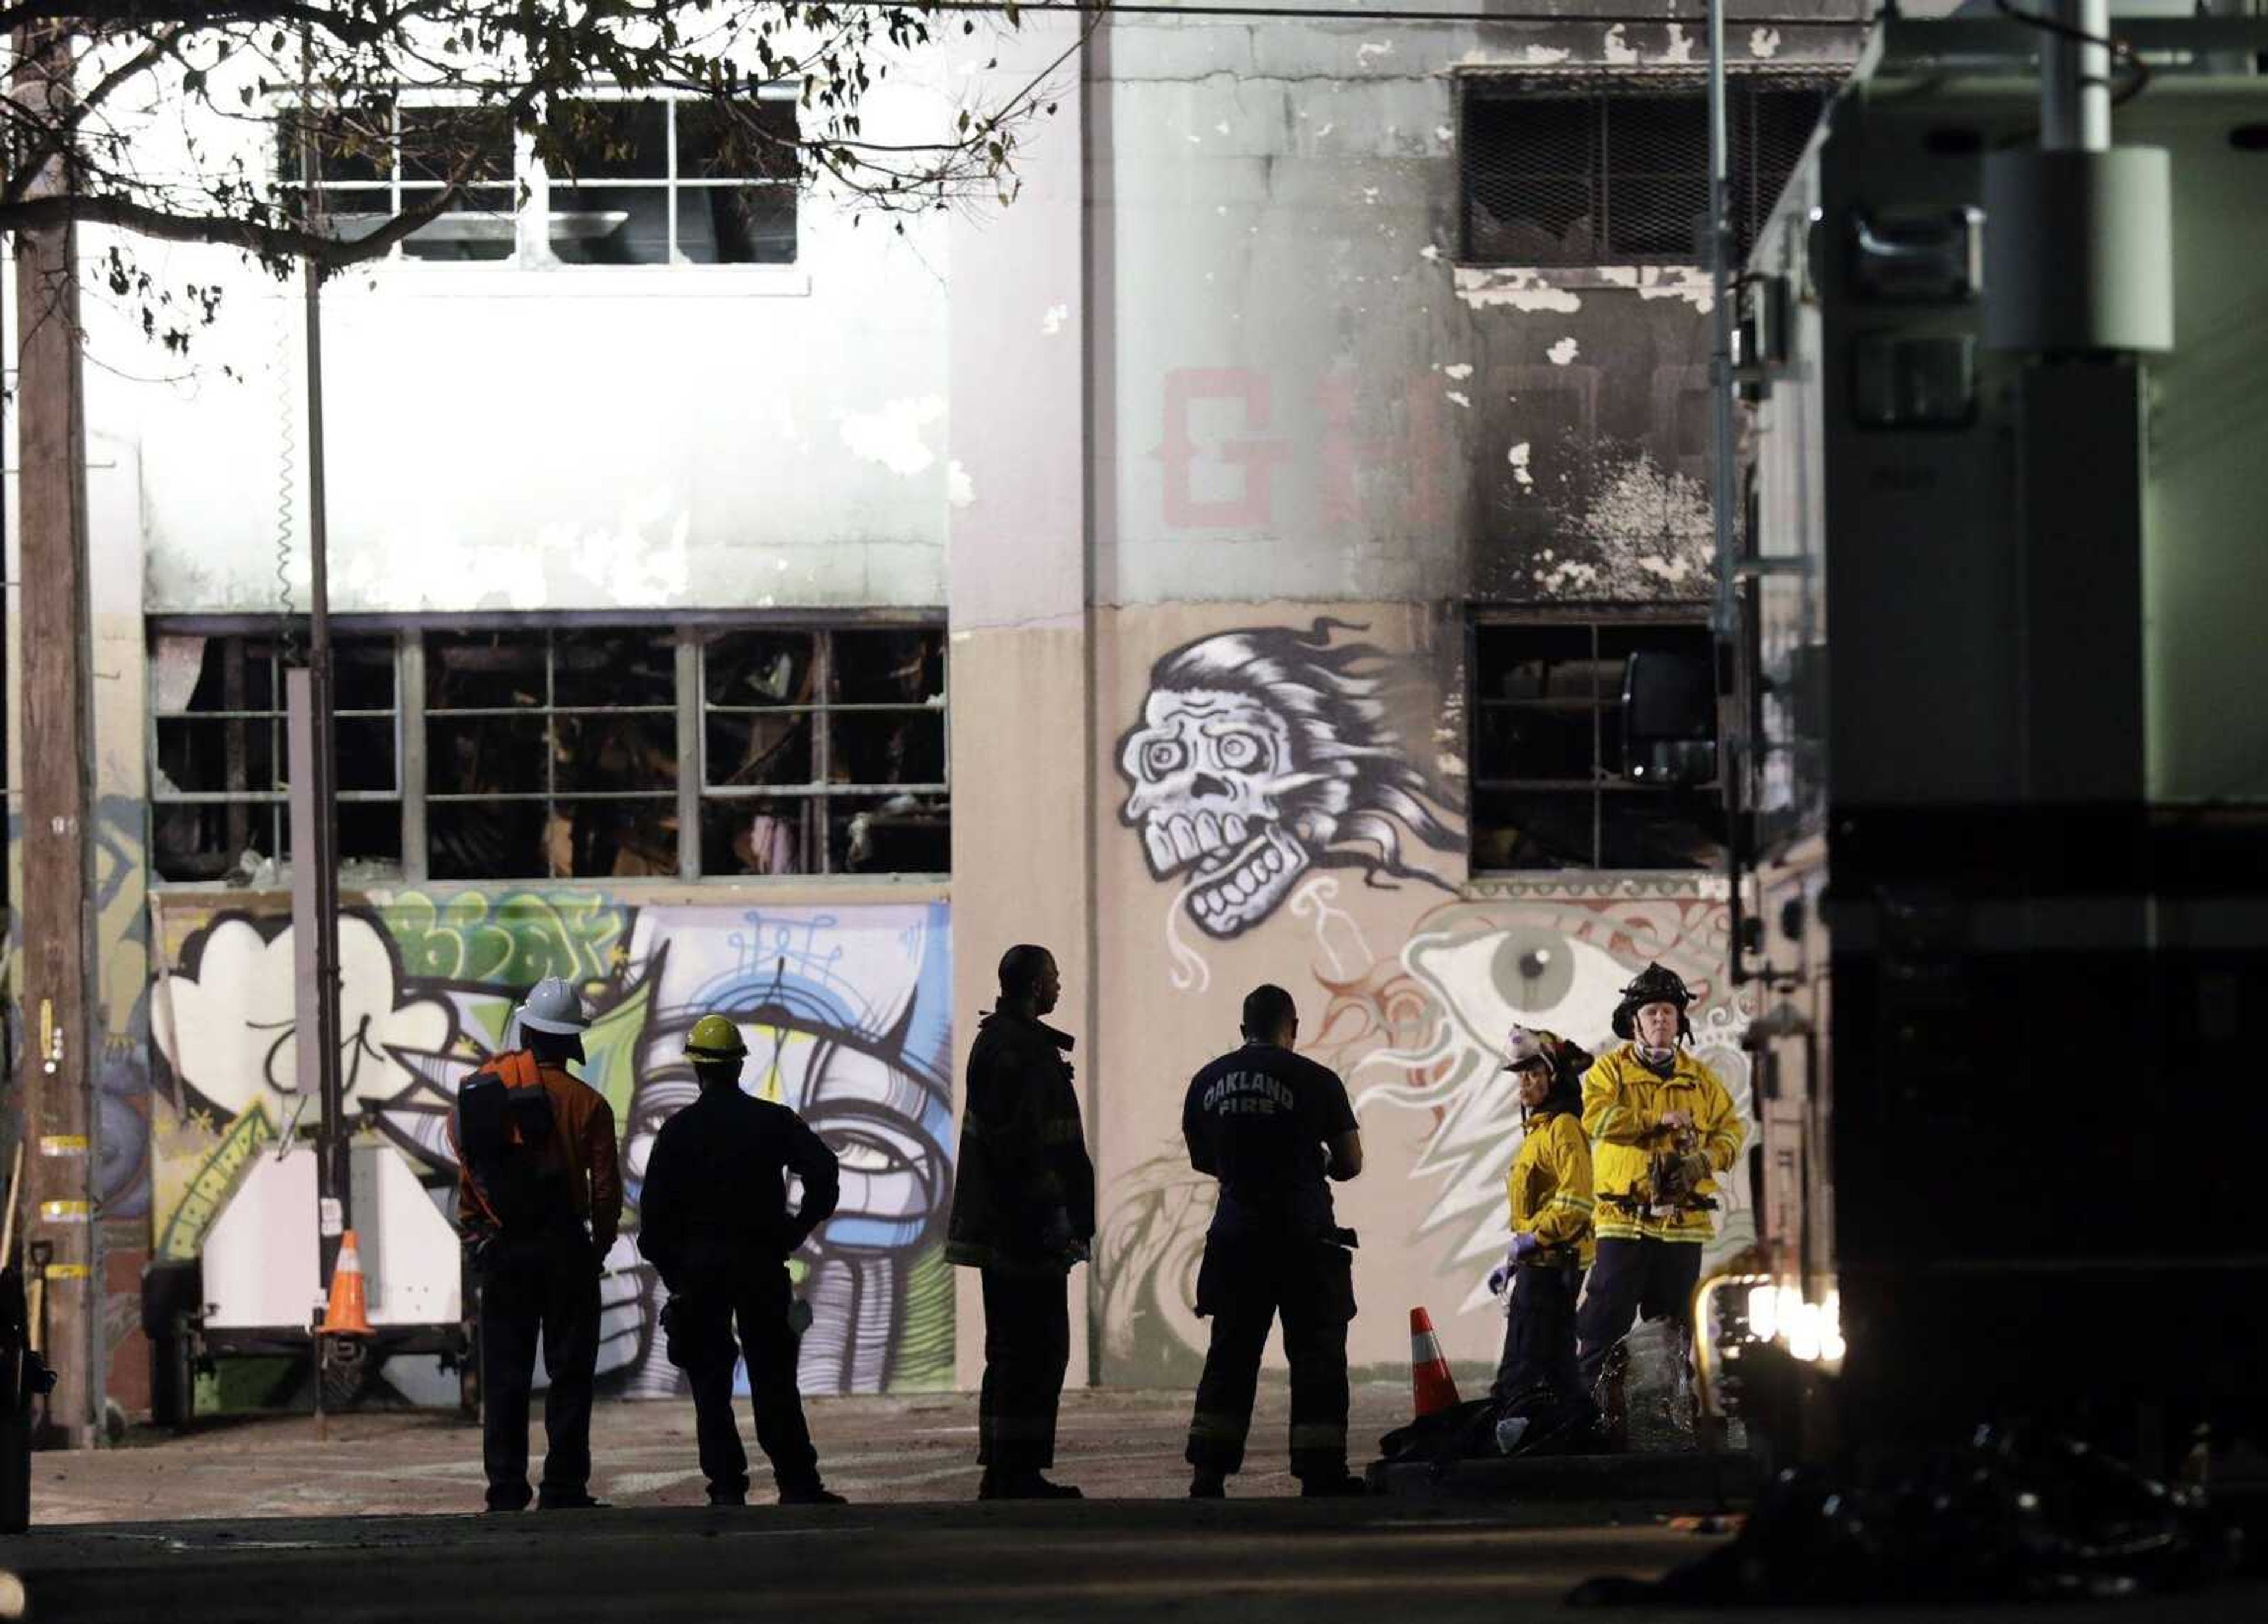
(1021, 606)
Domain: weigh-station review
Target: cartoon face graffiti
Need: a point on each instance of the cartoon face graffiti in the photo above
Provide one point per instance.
(1263, 753)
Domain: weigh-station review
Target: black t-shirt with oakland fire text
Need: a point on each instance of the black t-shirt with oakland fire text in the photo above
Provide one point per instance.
(1257, 1119)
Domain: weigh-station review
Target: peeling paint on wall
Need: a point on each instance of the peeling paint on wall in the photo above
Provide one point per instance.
(959, 489)
(1522, 290)
(1052, 324)
(1765, 43)
(1690, 283)
(1563, 352)
(1458, 371)
(1518, 456)
(1619, 52)
(892, 437)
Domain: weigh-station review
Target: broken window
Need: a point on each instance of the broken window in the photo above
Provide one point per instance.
(554, 752)
(1554, 783)
(1561, 171)
(673, 182)
(376, 159)
(825, 751)
(550, 753)
(220, 786)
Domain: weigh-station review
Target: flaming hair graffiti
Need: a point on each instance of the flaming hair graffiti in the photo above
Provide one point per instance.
(1265, 752)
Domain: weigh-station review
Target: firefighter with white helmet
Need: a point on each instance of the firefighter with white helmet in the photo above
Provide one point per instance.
(539, 1200)
(1539, 1394)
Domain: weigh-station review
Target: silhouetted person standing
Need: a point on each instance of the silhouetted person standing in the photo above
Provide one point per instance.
(713, 1219)
(1023, 1213)
(540, 1200)
(1274, 1127)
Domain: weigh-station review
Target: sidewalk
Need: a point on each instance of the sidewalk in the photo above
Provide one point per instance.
(1112, 1443)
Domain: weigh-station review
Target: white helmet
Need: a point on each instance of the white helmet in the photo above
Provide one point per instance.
(553, 1006)
(1521, 1049)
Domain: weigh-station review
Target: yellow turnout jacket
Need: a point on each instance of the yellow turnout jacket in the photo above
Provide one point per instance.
(1623, 1106)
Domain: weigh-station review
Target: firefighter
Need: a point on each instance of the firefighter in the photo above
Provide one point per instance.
(1538, 1392)
(1023, 1214)
(1274, 1128)
(1663, 1127)
(538, 1204)
(713, 1220)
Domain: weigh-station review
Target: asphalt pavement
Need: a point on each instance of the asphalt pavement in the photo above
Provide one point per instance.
(267, 1520)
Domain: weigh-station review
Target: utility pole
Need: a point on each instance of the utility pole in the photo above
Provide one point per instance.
(314, 799)
(58, 756)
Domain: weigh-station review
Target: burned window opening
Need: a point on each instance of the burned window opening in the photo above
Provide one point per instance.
(1553, 783)
(1560, 171)
(220, 786)
(554, 753)
(826, 752)
(550, 754)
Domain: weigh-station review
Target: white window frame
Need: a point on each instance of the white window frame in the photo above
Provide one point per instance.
(532, 249)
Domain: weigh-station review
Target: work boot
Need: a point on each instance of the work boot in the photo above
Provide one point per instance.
(999, 1485)
(724, 1497)
(1342, 1486)
(1209, 1483)
(579, 1500)
(811, 1494)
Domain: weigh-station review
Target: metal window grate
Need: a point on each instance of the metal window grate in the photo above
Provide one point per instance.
(1550, 786)
(1560, 171)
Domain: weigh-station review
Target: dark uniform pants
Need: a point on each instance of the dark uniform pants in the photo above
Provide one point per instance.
(702, 1320)
(1243, 1284)
(547, 1287)
(1539, 1339)
(1026, 1349)
(1633, 1279)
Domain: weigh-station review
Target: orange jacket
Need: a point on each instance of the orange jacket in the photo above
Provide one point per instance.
(582, 1146)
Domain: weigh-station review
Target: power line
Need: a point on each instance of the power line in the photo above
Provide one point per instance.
(1352, 18)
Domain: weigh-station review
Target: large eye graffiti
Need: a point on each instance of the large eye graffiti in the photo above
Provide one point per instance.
(1163, 757)
(1241, 752)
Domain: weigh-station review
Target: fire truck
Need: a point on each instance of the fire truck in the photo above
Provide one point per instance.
(1994, 666)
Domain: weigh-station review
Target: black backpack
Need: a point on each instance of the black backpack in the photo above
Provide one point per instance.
(503, 1118)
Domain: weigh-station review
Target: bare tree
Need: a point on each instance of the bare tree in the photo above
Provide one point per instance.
(202, 123)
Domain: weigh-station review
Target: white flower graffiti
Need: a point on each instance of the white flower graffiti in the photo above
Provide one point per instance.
(227, 1024)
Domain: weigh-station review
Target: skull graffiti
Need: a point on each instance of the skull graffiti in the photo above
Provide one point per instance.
(1205, 767)
(1262, 753)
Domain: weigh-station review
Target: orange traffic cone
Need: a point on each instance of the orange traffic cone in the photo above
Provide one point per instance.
(1430, 1385)
(348, 1312)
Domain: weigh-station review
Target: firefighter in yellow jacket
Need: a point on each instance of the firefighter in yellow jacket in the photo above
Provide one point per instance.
(1539, 1395)
(1662, 1128)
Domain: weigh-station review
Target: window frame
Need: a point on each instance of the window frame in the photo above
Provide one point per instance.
(274, 804)
(1596, 619)
(689, 633)
(530, 183)
(1599, 89)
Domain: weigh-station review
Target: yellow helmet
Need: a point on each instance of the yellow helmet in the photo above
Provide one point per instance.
(715, 1037)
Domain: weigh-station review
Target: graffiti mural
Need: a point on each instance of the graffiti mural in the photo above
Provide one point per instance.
(1424, 1034)
(1265, 752)
(846, 1010)
(1415, 1029)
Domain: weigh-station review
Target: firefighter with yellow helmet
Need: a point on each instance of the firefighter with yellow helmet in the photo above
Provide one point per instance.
(1662, 1129)
(713, 1219)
